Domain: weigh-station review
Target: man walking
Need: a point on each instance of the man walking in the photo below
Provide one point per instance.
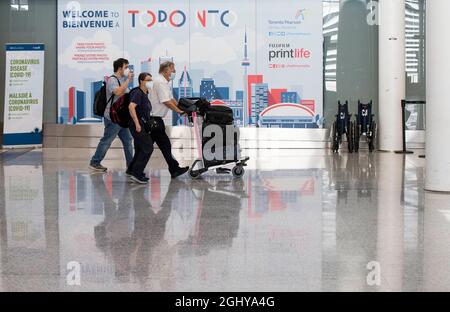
(116, 87)
(162, 101)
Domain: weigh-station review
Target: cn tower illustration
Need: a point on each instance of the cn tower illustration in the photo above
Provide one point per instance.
(246, 64)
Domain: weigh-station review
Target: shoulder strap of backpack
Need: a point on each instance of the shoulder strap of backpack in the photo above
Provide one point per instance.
(112, 95)
(118, 80)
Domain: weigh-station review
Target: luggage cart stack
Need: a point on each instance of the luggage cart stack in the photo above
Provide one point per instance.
(216, 137)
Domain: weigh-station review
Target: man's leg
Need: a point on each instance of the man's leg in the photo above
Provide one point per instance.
(110, 133)
(163, 142)
(127, 142)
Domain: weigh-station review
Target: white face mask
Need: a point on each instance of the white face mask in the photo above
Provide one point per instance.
(126, 72)
(172, 76)
(149, 85)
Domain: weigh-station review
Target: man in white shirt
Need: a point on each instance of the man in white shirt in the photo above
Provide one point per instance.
(162, 101)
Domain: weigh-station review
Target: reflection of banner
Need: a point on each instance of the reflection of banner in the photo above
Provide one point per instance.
(24, 204)
(24, 87)
(223, 52)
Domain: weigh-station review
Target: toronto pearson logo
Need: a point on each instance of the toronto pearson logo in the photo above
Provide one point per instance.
(300, 15)
(299, 18)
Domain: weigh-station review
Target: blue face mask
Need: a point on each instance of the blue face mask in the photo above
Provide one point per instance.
(172, 76)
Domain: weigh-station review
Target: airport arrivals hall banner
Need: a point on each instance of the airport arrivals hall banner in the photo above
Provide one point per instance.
(261, 58)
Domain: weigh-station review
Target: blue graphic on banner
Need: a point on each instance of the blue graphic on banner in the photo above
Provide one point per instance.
(33, 138)
(25, 47)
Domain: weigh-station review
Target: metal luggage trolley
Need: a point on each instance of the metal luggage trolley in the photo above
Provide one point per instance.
(197, 110)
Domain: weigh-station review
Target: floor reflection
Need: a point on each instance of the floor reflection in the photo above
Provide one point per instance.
(285, 230)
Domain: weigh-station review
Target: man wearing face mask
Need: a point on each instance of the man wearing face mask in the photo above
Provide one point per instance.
(140, 108)
(116, 87)
(162, 101)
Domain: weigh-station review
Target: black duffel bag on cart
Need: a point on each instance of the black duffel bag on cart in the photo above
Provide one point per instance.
(219, 115)
(191, 105)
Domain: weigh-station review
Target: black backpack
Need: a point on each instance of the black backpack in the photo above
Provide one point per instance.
(100, 100)
(119, 112)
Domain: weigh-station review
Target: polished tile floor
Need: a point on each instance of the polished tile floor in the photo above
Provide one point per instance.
(300, 220)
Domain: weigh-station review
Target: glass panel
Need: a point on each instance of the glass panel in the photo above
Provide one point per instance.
(415, 117)
(31, 21)
(415, 63)
(19, 5)
(350, 56)
(415, 48)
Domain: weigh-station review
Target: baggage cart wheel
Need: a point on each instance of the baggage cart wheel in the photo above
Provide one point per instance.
(238, 171)
(194, 174)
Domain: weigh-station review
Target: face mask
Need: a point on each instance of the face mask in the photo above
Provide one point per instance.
(149, 85)
(126, 72)
(172, 76)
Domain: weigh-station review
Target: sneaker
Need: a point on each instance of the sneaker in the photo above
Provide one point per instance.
(129, 175)
(98, 168)
(179, 172)
(139, 180)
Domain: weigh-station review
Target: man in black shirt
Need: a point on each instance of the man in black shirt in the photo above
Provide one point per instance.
(140, 108)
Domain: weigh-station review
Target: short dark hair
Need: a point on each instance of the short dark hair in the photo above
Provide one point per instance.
(165, 65)
(142, 77)
(119, 63)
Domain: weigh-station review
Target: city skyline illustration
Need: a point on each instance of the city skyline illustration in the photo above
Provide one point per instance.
(255, 104)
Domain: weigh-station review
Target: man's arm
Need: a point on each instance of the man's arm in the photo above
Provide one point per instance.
(165, 95)
(121, 89)
(173, 105)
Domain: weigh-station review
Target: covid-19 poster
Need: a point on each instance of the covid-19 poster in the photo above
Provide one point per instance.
(24, 91)
(261, 58)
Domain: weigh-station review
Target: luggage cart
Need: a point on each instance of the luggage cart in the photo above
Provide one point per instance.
(197, 110)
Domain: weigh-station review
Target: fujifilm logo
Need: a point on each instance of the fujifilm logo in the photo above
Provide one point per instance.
(285, 51)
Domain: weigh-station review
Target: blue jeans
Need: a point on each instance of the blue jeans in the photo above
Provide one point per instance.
(113, 130)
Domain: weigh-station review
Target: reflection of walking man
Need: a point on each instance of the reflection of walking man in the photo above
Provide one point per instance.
(114, 235)
(137, 245)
